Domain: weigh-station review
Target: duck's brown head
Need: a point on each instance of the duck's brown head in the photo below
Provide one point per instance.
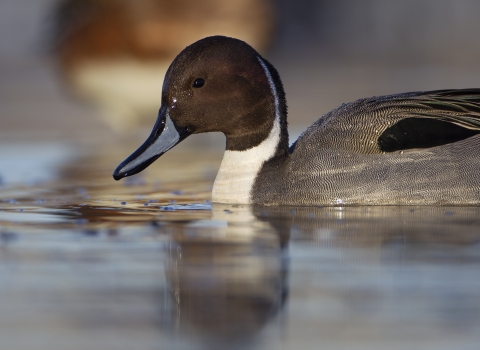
(216, 84)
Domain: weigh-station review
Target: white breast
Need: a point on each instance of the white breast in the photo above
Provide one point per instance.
(239, 169)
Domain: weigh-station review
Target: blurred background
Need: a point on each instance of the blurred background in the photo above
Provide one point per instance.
(84, 71)
(87, 262)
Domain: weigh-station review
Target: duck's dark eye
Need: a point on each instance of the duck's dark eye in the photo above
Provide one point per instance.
(198, 83)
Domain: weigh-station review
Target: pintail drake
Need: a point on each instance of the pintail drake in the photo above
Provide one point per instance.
(417, 148)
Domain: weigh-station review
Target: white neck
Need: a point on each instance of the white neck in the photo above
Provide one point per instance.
(239, 169)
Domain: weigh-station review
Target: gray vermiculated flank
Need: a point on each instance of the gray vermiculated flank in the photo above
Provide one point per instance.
(338, 159)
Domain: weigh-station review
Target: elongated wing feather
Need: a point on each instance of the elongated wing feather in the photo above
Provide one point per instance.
(461, 107)
(398, 122)
(433, 119)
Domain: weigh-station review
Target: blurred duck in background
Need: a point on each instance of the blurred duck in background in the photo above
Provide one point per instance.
(115, 53)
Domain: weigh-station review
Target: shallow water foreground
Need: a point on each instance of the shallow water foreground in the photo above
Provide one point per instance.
(149, 263)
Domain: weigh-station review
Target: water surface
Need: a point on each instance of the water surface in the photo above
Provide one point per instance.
(149, 263)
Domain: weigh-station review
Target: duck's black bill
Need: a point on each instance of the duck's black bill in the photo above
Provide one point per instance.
(165, 135)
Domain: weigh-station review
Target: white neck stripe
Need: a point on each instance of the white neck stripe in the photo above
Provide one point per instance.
(272, 87)
(239, 169)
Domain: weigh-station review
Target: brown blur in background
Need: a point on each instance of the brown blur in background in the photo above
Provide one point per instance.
(148, 263)
(91, 70)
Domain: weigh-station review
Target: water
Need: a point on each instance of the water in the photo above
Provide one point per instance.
(149, 263)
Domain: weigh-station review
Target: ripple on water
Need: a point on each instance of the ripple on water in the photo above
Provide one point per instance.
(90, 256)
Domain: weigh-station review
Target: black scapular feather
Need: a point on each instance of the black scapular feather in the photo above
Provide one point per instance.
(433, 119)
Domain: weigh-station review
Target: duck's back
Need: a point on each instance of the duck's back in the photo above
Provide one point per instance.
(408, 149)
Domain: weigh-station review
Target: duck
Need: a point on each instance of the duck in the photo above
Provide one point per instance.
(415, 148)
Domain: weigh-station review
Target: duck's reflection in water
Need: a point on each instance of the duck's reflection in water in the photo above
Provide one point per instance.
(376, 226)
(228, 275)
